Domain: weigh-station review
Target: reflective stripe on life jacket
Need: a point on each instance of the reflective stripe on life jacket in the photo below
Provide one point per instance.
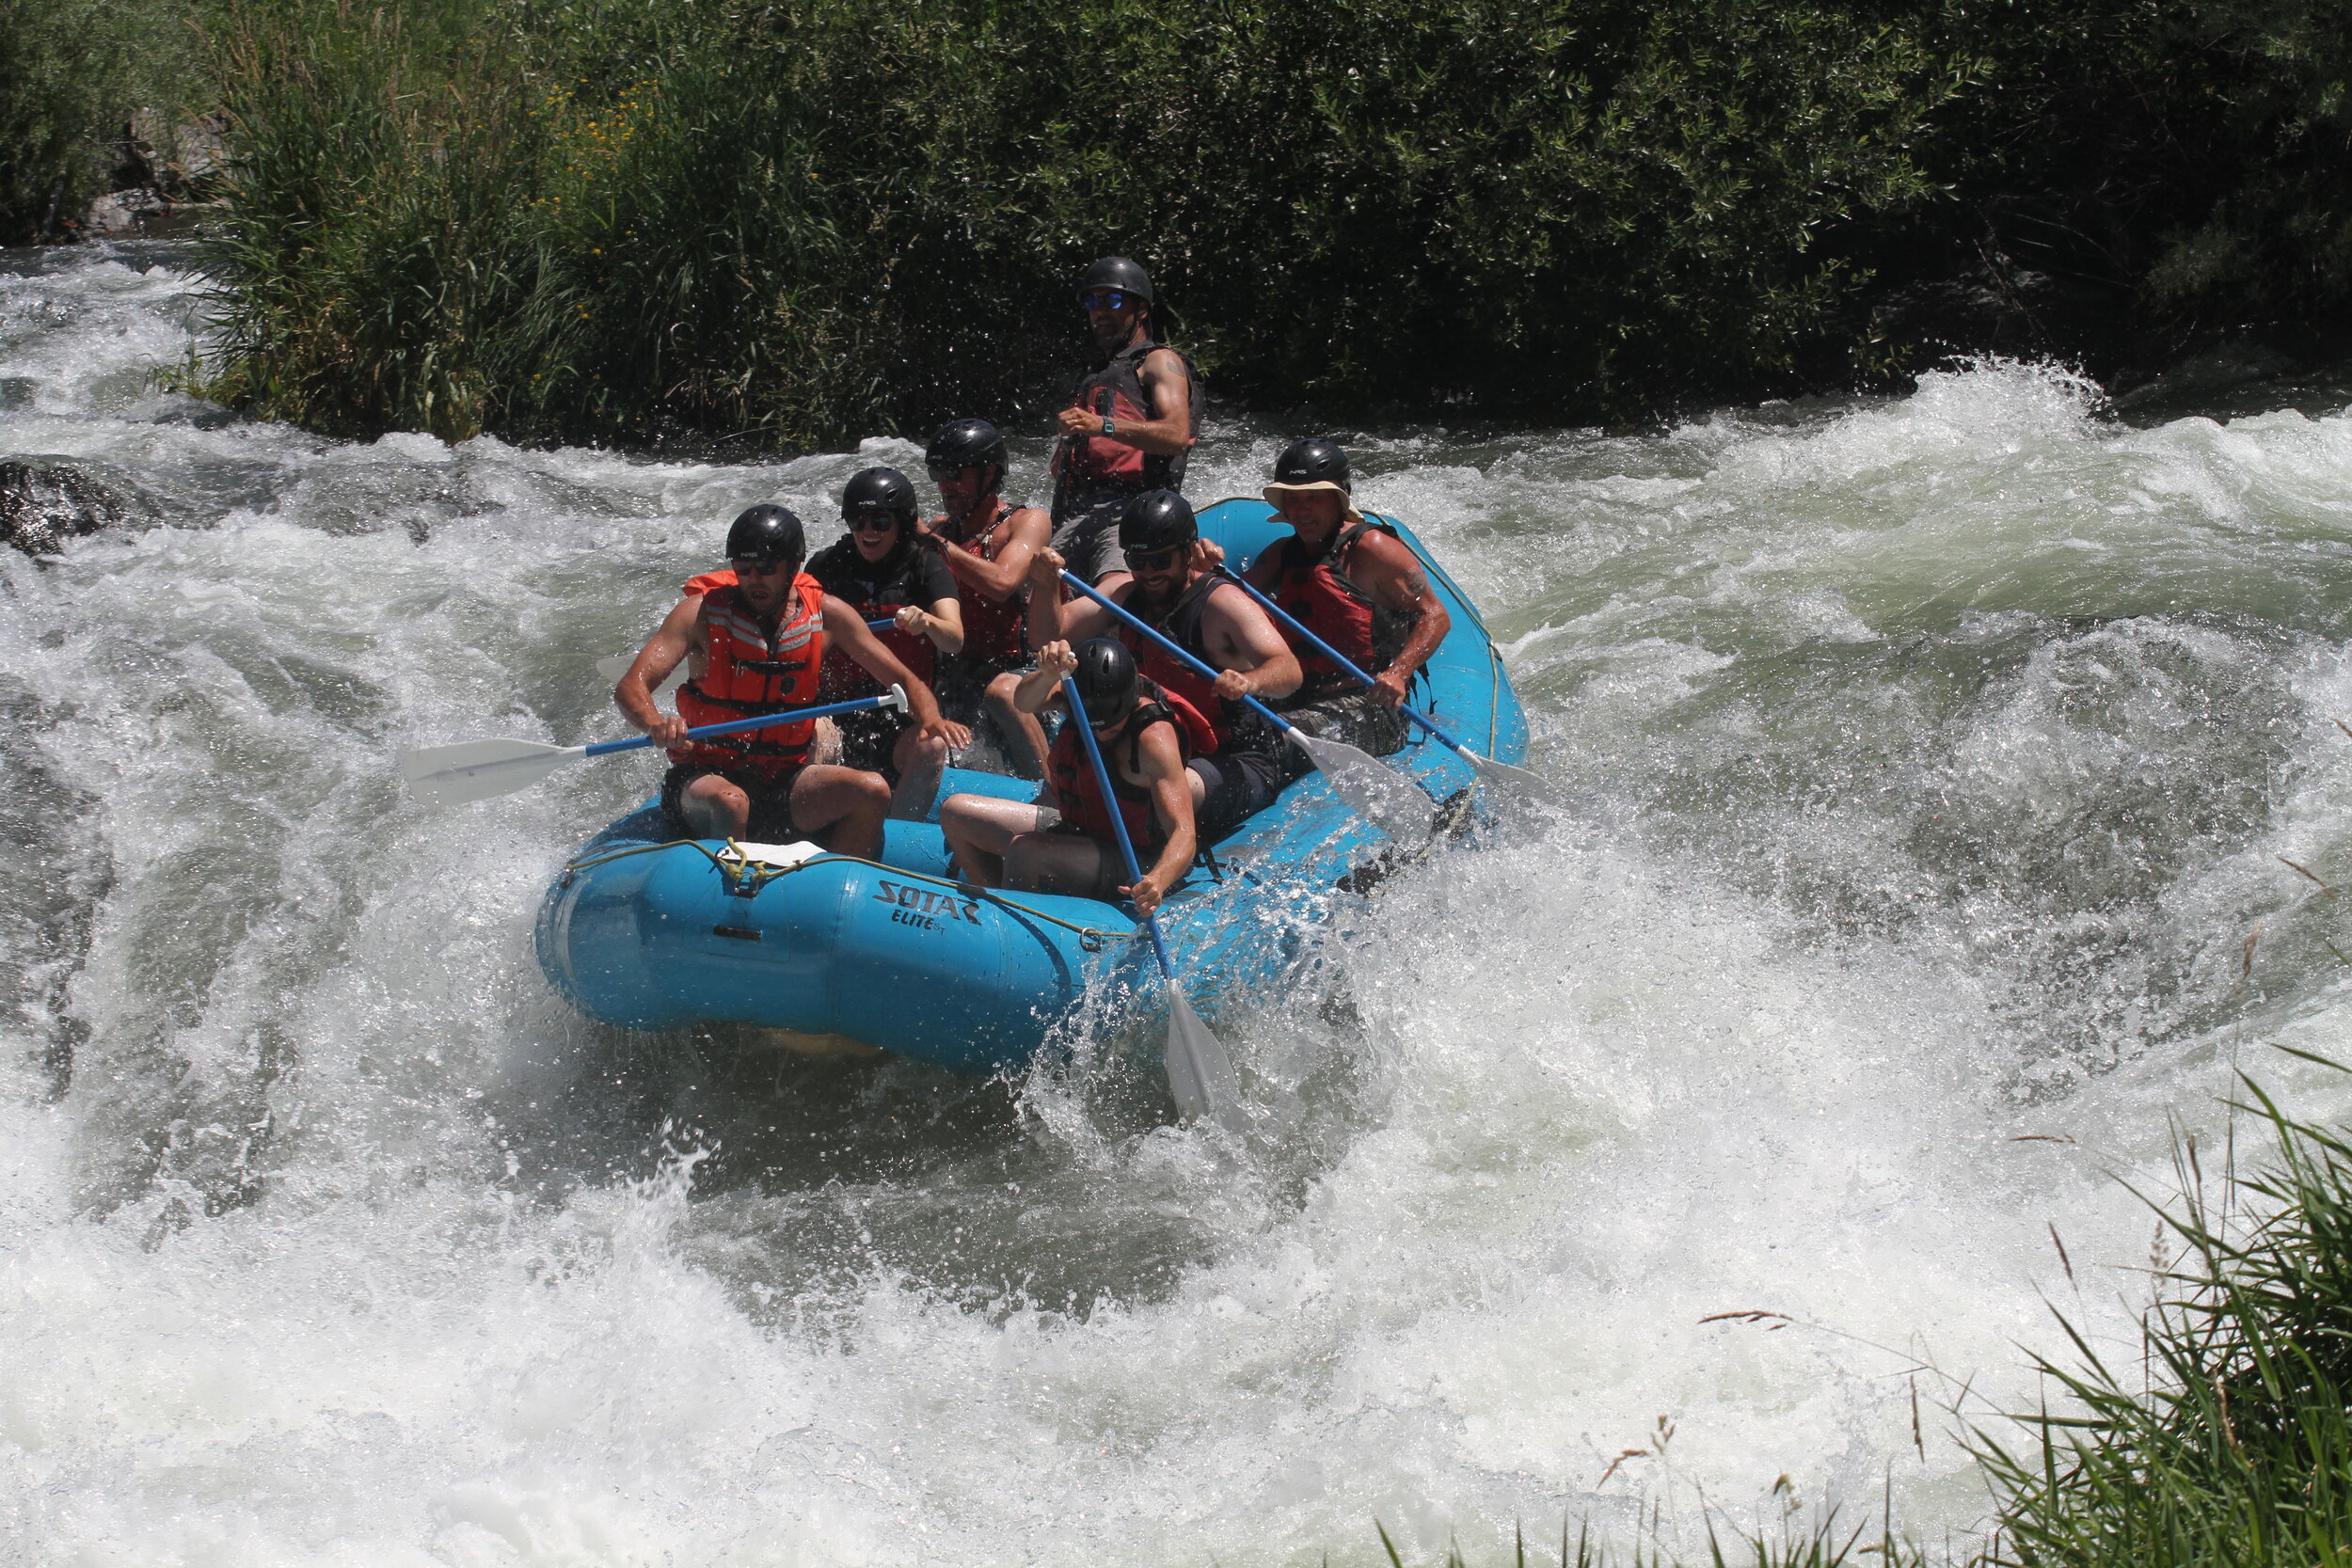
(1079, 799)
(995, 631)
(1319, 592)
(874, 590)
(749, 670)
(1180, 623)
(1089, 464)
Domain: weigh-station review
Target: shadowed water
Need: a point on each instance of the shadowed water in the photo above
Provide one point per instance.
(1933, 761)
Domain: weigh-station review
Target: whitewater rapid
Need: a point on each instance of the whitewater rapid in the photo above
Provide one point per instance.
(1936, 755)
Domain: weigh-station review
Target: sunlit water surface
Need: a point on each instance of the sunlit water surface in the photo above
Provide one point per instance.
(1935, 758)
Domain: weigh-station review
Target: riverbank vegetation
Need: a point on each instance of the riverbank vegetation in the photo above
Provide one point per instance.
(791, 225)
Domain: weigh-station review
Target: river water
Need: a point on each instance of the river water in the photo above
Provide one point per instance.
(1935, 757)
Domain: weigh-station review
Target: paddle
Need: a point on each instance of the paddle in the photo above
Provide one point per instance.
(478, 769)
(1198, 1073)
(616, 665)
(1390, 799)
(1518, 780)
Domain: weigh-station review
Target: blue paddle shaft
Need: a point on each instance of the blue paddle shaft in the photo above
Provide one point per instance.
(1333, 653)
(1110, 808)
(736, 726)
(1281, 723)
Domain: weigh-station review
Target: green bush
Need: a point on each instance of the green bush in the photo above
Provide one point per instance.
(71, 74)
(803, 223)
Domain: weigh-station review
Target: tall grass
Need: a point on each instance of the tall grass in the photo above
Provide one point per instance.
(2232, 1443)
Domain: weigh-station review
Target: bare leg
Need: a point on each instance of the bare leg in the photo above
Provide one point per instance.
(1018, 728)
(851, 804)
(1054, 863)
(713, 808)
(980, 829)
(919, 758)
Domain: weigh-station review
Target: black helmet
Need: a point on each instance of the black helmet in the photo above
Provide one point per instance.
(1157, 520)
(1117, 272)
(1106, 680)
(879, 490)
(962, 444)
(1314, 461)
(767, 533)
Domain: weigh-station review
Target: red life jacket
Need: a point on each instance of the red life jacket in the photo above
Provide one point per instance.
(995, 631)
(1089, 466)
(1080, 799)
(751, 672)
(1180, 623)
(874, 590)
(1319, 592)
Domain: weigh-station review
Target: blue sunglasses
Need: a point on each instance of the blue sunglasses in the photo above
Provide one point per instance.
(1107, 299)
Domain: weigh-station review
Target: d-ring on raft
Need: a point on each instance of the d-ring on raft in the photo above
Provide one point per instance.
(649, 932)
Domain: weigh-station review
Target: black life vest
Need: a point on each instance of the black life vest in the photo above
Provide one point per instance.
(1089, 466)
(874, 588)
(1180, 623)
(1318, 593)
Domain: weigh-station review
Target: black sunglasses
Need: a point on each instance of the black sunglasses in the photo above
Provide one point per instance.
(873, 522)
(1153, 560)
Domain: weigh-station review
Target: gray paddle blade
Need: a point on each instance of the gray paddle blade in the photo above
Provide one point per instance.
(478, 769)
(1198, 1071)
(1376, 790)
(1534, 788)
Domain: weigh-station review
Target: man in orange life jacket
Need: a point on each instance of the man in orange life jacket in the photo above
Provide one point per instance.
(1128, 427)
(1359, 588)
(879, 569)
(1145, 734)
(1175, 592)
(986, 543)
(756, 645)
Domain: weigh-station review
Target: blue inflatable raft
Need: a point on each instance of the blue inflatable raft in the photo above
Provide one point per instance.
(651, 932)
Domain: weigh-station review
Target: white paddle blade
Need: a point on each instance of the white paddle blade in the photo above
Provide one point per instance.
(478, 769)
(1374, 788)
(1198, 1071)
(613, 669)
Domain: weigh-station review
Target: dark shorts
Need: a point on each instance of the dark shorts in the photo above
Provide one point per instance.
(1350, 716)
(771, 800)
(869, 737)
(1110, 873)
(963, 686)
(1238, 786)
(1087, 536)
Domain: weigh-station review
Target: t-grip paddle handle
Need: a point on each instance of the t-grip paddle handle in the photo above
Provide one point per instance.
(1198, 668)
(895, 697)
(1267, 602)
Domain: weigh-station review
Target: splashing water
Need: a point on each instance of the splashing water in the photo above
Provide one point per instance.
(1692, 1153)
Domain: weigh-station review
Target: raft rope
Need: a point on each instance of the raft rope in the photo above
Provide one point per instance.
(745, 877)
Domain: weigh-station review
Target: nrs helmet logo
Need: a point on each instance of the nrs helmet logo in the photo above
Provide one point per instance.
(925, 908)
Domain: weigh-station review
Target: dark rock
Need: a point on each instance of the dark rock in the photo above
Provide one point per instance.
(43, 505)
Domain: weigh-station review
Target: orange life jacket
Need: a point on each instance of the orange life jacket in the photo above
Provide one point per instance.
(750, 671)
(1080, 799)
